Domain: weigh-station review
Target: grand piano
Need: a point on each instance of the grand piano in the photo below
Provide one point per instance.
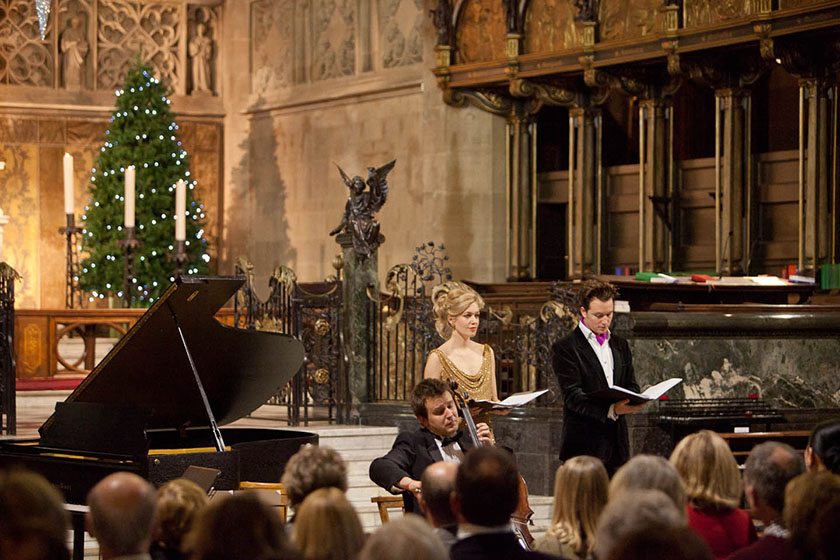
(154, 405)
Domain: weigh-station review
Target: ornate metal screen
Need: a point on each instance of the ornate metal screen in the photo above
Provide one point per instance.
(8, 422)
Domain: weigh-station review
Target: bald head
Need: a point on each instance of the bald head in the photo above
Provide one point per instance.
(768, 469)
(438, 483)
(122, 508)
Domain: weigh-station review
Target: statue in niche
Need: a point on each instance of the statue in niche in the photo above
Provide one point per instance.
(74, 49)
(201, 52)
(358, 220)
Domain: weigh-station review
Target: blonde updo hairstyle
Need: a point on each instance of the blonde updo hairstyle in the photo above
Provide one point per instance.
(450, 299)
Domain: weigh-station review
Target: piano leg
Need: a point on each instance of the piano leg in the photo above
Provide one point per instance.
(77, 523)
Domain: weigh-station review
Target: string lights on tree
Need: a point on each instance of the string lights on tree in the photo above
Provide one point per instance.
(142, 133)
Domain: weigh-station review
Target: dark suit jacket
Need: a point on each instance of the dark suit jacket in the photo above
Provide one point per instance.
(586, 428)
(411, 453)
(501, 546)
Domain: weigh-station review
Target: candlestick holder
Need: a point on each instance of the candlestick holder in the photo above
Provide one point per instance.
(130, 244)
(72, 293)
(179, 257)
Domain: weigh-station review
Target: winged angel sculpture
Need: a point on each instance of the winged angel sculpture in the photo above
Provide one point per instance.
(366, 198)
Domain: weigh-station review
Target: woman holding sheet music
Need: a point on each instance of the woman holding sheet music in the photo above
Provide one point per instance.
(456, 308)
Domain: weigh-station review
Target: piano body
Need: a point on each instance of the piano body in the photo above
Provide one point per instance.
(154, 404)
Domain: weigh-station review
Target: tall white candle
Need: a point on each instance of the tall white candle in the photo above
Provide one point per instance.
(68, 184)
(180, 210)
(129, 196)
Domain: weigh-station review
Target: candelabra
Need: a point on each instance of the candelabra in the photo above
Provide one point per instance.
(72, 293)
(130, 245)
(179, 257)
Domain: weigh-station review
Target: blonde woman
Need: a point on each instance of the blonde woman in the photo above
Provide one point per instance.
(179, 503)
(327, 527)
(580, 495)
(456, 308)
(713, 487)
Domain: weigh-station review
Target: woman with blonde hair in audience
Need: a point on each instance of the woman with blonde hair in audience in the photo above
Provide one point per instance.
(714, 489)
(179, 503)
(327, 527)
(580, 495)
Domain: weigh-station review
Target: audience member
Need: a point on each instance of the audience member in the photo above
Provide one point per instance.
(408, 538)
(823, 451)
(649, 472)
(486, 494)
(631, 512)
(662, 543)
(713, 485)
(327, 527)
(239, 527)
(122, 510)
(311, 468)
(33, 522)
(826, 533)
(438, 482)
(770, 466)
(807, 497)
(580, 495)
(179, 503)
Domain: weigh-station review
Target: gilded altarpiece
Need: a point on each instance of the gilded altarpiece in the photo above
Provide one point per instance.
(480, 33)
(699, 13)
(628, 19)
(550, 26)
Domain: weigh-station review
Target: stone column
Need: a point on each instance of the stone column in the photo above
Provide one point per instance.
(360, 281)
(814, 175)
(522, 197)
(654, 198)
(584, 206)
(732, 194)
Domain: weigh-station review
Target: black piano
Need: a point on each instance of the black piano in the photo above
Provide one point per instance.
(154, 404)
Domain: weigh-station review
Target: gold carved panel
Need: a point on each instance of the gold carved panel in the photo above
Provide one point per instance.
(401, 31)
(203, 143)
(272, 45)
(710, 12)
(32, 352)
(481, 34)
(126, 28)
(788, 4)
(333, 39)
(24, 58)
(550, 26)
(628, 19)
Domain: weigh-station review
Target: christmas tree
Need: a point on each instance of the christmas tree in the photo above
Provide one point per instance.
(143, 133)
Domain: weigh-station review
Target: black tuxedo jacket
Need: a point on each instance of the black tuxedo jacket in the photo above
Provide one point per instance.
(411, 453)
(493, 546)
(586, 428)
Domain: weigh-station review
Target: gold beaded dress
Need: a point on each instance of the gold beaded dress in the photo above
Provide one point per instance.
(479, 385)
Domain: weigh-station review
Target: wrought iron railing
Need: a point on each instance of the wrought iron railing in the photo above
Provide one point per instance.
(8, 413)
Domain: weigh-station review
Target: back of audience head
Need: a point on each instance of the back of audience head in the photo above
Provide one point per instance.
(239, 527)
(580, 495)
(768, 469)
(823, 451)
(807, 497)
(33, 522)
(649, 472)
(633, 511)
(122, 510)
(313, 467)
(826, 535)
(326, 527)
(661, 543)
(438, 483)
(486, 487)
(708, 470)
(408, 538)
(179, 503)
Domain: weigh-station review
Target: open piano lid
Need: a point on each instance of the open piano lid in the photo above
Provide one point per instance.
(148, 369)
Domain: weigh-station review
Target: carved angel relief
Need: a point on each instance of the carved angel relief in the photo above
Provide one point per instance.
(401, 29)
(623, 19)
(333, 37)
(550, 26)
(481, 33)
(272, 47)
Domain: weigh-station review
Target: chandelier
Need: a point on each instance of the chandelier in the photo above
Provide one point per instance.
(42, 8)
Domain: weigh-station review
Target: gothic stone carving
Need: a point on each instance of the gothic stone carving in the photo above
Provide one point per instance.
(74, 48)
(550, 26)
(202, 50)
(272, 45)
(333, 37)
(24, 58)
(401, 29)
(481, 33)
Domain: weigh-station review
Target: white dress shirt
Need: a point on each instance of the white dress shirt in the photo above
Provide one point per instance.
(605, 357)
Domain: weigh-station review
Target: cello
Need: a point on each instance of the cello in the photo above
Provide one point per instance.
(521, 516)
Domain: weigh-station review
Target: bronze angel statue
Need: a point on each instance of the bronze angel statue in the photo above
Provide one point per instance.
(362, 204)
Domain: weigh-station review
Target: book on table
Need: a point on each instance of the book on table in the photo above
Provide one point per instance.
(616, 394)
(516, 399)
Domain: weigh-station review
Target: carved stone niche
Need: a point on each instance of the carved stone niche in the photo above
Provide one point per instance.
(202, 50)
(75, 70)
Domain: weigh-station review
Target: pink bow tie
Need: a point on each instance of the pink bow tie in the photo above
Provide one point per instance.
(601, 338)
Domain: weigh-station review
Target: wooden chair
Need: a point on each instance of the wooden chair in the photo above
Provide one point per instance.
(275, 488)
(385, 504)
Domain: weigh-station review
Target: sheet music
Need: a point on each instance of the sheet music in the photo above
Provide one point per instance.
(516, 399)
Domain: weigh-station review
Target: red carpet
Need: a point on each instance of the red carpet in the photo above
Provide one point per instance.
(42, 384)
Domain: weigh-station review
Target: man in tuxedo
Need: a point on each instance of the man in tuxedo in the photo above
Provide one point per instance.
(438, 439)
(588, 359)
(486, 495)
